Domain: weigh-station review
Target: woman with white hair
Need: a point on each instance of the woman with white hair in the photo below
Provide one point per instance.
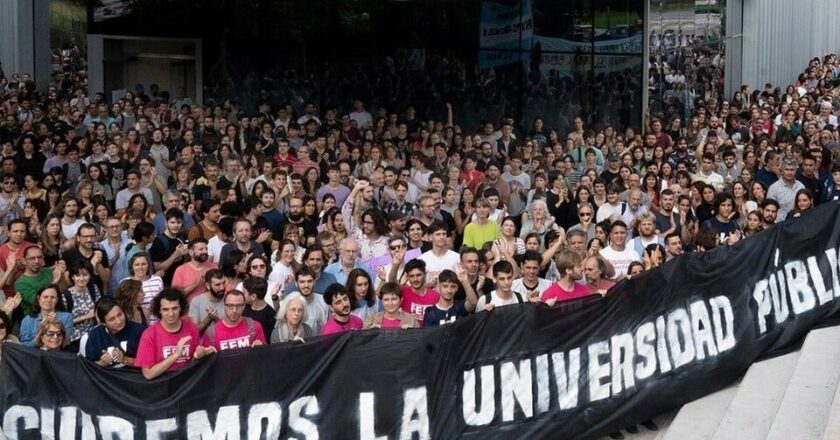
(291, 321)
(539, 221)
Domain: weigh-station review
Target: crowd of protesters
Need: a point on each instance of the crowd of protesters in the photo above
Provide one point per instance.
(152, 231)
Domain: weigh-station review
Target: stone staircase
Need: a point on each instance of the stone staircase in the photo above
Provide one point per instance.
(795, 396)
(790, 397)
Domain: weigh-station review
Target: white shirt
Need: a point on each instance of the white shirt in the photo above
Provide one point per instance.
(362, 118)
(214, 248)
(519, 286)
(497, 301)
(620, 259)
(435, 265)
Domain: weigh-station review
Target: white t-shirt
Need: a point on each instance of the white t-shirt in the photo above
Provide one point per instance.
(435, 265)
(279, 273)
(519, 286)
(497, 301)
(214, 248)
(70, 230)
(620, 259)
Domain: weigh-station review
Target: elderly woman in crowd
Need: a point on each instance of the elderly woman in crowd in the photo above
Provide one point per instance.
(291, 321)
(51, 336)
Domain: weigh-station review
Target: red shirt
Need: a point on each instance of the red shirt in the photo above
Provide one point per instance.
(5, 250)
(157, 344)
(238, 336)
(472, 178)
(416, 304)
(390, 323)
(332, 326)
(560, 294)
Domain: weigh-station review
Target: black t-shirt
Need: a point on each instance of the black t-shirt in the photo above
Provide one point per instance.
(724, 230)
(265, 317)
(435, 317)
(163, 247)
(608, 175)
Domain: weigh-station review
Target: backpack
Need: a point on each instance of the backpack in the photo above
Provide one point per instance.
(93, 291)
(211, 331)
(488, 297)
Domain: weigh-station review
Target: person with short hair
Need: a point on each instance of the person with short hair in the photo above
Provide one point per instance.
(318, 312)
(784, 190)
(504, 294)
(417, 296)
(448, 309)
(481, 230)
(440, 257)
(291, 321)
(342, 319)
(172, 342)
(257, 308)
(617, 253)
(189, 277)
(35, 276)
(567, 286)
(234, 330)
(114, 342)
(530, 282)
(169, 250)
(392, 316)
(207, 308)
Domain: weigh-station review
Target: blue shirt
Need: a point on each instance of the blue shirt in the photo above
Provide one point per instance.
(31, 323)
(99, 339)
(320, 285)
(341, 277)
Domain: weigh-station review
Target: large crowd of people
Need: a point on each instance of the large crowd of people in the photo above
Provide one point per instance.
(151, 231)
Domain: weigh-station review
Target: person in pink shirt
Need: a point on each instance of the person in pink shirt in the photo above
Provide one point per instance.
(567, 287)
(341, 320)
(235, 330)
(416, 296)
(171, 343)
(391, 316)
(190, 277)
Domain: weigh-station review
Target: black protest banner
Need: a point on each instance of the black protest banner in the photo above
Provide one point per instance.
(578, 371)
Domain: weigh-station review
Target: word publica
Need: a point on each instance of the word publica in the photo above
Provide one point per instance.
(795, 288)
(552, 381)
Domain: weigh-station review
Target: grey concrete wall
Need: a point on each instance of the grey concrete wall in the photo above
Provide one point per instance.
(25, 38)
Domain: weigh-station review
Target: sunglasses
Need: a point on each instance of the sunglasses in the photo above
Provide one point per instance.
(396, 248)
(53, 334)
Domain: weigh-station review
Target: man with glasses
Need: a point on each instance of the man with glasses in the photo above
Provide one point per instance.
(234, 330)
(348, 259)
(10, 198)
(114, 245)
(87, 250)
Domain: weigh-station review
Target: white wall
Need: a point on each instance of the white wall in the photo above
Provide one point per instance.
(780, 36)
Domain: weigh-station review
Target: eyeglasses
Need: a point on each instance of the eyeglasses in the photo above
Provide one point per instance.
(585, 214)
(54, 333)
(258, 266)
(8, 183)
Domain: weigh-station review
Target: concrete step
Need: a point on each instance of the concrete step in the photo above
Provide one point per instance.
(699, 419)
(807, 403)
(757, 400)
(663, 421)
(832, 426)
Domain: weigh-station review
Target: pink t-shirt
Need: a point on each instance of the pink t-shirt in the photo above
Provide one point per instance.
(186, 274)
(390, 323)
(238, 336)
(560, 294)
(416, 304)
(333, 326)
(157, 344)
